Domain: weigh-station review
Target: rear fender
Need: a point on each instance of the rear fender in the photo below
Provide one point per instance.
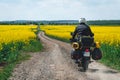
(86, 58)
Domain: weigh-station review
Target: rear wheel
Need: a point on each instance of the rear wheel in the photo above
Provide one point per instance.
(85, 65)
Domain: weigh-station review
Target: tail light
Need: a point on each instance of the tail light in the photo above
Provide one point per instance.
(86, 53)
(87, 50)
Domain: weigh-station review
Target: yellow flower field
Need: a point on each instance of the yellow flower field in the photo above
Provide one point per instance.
(102, 34)
(16, 33)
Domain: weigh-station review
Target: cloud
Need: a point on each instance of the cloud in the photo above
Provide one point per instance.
(59, 9)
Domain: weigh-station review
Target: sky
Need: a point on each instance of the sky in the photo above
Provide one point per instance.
(59, 9)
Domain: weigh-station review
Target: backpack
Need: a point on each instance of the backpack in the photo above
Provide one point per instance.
(96, 54)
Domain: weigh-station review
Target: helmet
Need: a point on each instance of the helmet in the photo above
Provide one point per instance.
(82, 20)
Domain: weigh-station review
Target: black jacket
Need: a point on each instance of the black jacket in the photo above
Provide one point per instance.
(83, 29)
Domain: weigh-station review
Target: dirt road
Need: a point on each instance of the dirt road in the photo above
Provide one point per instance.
(54, 63)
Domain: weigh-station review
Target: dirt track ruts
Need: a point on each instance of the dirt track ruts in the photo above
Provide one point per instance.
(54, 63)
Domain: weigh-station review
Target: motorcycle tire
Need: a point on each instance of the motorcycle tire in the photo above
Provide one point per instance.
(85, 65)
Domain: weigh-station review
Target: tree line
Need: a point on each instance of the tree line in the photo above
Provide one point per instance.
(60, 22)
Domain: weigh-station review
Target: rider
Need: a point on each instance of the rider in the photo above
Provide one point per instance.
(82, 29)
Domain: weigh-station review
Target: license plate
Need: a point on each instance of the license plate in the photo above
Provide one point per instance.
(86, 54)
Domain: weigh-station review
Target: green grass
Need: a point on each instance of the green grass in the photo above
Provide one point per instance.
(6, 72)
(111, 55)
(34, 46)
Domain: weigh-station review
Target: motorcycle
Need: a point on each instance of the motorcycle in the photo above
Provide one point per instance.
(83, 46)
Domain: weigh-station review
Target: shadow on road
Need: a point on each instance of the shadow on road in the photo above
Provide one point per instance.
(111, 71)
